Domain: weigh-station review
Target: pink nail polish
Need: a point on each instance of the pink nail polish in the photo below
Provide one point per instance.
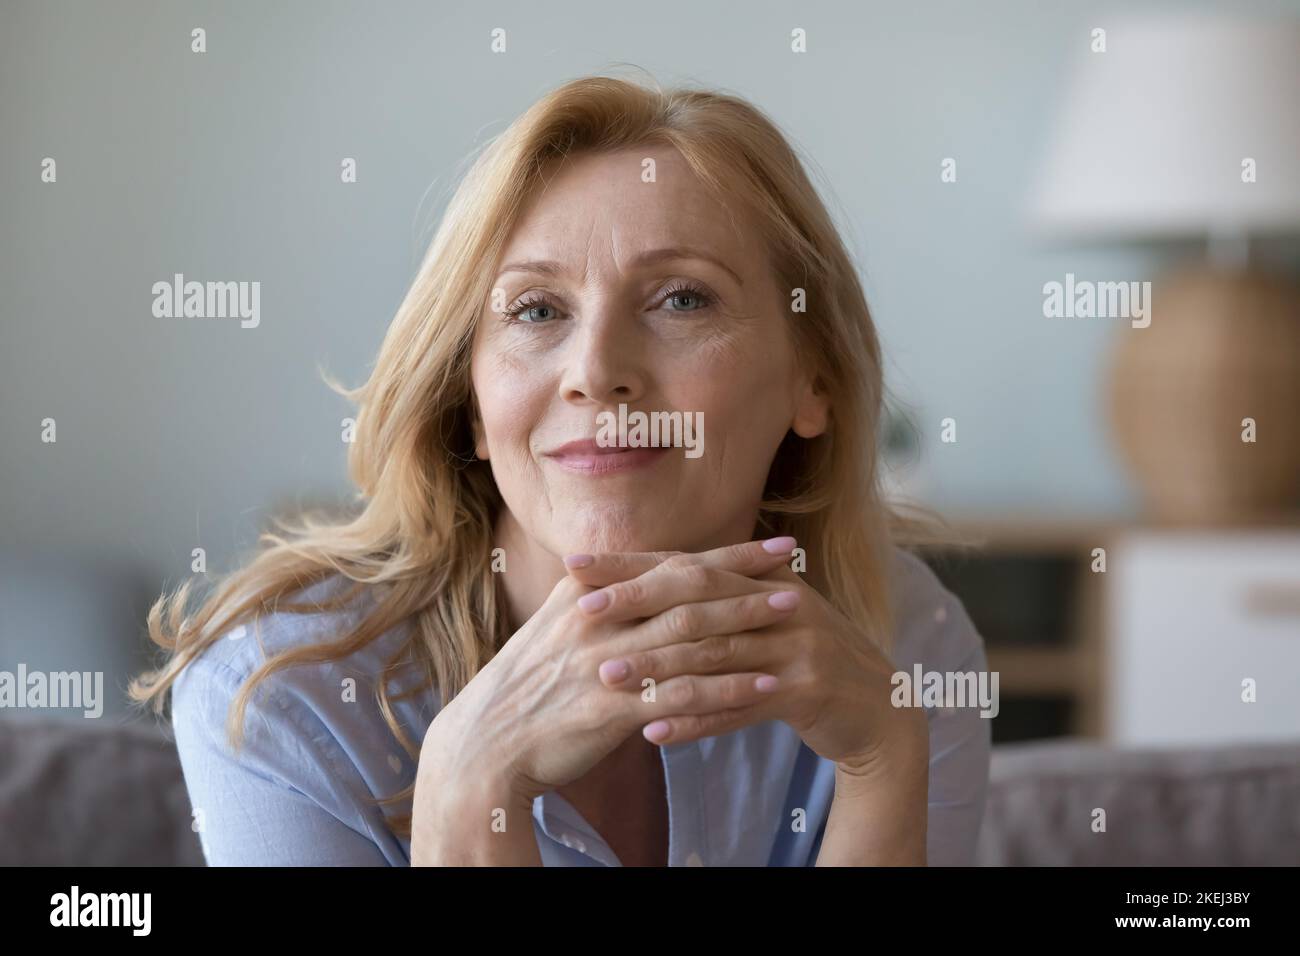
(657, 731)
(575, 561)
(595, 601)
(766, 684)
(784, 600)
(614, 671)
(782, 545)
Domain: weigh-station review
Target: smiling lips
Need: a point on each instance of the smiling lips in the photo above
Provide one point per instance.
(588, 458)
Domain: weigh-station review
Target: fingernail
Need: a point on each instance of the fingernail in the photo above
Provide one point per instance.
(767, 683)
(578, 560)
(614, 671)
(784, 600)
(657, 731)
(782, 545)
(595, 601)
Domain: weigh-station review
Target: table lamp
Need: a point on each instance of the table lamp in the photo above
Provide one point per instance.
(1187, 127)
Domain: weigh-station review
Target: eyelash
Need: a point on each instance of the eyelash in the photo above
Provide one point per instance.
(678, 288)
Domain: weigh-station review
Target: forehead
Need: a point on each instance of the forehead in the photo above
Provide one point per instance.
(603, 198)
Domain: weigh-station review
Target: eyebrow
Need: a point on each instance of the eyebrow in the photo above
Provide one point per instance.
(550, 267)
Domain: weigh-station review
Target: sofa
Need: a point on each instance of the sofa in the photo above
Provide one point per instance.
(93, 793)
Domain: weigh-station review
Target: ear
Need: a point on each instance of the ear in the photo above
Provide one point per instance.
(811, 410)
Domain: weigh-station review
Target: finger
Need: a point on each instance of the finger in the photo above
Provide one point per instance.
(751, 557)
(717, 654)
(597, 570)
(685, 577)
(698, 694)
(690, 622)
(781, 572)
(687, 727)
(673, 583)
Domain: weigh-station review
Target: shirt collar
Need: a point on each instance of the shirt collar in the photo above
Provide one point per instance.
(726, 800)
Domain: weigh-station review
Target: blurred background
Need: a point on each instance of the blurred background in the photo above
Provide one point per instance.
(1126, 496)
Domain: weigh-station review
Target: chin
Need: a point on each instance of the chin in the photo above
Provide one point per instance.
(621, 528)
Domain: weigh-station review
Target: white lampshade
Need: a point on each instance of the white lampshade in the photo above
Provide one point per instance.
(1152, 135)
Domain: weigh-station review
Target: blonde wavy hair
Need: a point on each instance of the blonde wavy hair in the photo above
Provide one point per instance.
(421, 544)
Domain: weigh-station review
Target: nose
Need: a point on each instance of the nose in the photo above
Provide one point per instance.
(605, 361)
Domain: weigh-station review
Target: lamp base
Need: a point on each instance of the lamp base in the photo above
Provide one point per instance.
(1205, 401)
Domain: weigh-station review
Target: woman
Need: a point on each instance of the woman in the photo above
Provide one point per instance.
(544, 640)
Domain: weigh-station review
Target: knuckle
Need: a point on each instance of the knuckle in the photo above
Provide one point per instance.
(803, 681)
(680, 621)
(717, 722)
(755, 609)
(717, 651)
(731, 690)
(679, 563)
(642, 665)
(740, 557)
(697, 577)
(686, 725)
(568, 587)
(682, 692)
(628, 593)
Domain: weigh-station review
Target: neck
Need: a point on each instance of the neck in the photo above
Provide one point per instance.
(532, 571)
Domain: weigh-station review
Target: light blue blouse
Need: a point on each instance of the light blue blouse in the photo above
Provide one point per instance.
(299, 791)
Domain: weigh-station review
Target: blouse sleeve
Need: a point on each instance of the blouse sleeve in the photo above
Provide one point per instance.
(960, 747)
(282, 799)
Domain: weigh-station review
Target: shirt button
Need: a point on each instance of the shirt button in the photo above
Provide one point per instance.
(694, 859)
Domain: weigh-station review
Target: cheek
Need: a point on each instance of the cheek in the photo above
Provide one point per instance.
(743, 393)
(743, 380)
(509, 396)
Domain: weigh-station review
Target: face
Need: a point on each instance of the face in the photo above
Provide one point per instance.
(616, 292)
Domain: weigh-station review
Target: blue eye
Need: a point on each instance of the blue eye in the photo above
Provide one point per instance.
(528, 306)
(537, 309)
(700, 297)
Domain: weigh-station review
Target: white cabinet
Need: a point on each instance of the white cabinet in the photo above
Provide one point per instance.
(1191, 615)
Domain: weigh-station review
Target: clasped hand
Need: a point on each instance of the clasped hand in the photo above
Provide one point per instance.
(727, 623)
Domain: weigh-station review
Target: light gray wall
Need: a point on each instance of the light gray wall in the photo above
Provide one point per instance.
(180, 433)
